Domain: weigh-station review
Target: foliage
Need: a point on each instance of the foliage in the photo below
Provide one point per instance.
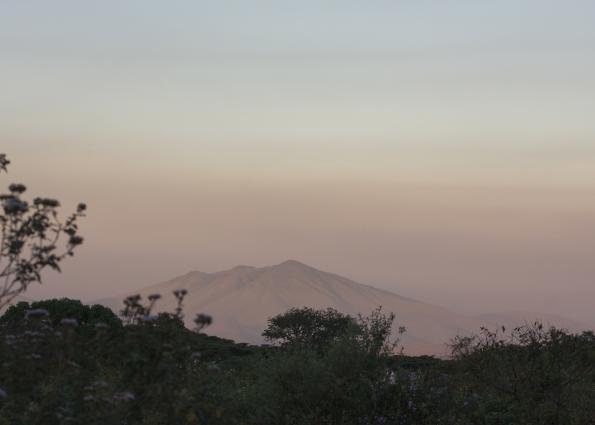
(88, 368)
(340, 378)
(59, 310)
(375, 332)
(535, 375)
(64, 362)
(30, 237)
(307, 327)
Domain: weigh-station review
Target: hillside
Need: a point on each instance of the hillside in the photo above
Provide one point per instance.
(243, 298)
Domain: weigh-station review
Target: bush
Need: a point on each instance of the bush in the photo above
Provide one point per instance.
(58, 370)
(533, 374)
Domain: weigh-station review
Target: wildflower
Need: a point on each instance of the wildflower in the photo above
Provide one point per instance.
(10, 339)
(124, 396)
(148, 318)
(13, 205)
(3, 162)
(69, 322)
(81, 207)
(46, 202)
(154, 297)
(213, 367)
(100, 384)
(16, 246)
(37, 312)
(132, 300)
(180, 293)
(392, 377)
(202, 320)
(75, 240)
(17, 188)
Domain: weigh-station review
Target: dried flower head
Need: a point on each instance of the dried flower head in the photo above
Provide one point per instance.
(14, 205)
(75, 240)
(3, 162)
(46, 202)
(17, 188)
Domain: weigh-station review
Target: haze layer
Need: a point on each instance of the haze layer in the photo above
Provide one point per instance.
(440, 149)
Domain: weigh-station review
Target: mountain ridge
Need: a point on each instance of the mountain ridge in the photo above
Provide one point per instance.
(243, 298)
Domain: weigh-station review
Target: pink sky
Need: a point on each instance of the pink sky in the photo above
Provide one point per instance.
(443, 150)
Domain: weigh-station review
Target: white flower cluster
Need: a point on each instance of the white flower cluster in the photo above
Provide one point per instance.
(36, 313)
(69, 322)
(124, 396)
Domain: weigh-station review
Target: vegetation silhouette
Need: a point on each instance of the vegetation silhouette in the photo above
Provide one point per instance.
(30, 236)
(307, 326)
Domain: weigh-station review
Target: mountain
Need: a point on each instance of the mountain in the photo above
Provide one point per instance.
(241, 299)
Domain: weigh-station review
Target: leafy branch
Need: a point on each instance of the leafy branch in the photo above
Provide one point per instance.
(32, 238)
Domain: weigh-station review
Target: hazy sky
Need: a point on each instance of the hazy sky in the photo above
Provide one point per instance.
(441, 149)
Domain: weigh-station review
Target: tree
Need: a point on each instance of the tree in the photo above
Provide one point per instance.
(32, 238)
(336, 371)
(59, 310)
(306, 326)
(375, 332)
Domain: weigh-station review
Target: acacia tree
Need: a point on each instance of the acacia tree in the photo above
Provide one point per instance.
(32, 238)
(306, 326)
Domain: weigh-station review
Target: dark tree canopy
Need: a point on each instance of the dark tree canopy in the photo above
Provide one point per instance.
(59, 310)
(306, 326)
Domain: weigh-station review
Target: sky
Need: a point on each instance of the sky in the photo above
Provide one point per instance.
(444, 150)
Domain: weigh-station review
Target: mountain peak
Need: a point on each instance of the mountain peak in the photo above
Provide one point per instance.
(293, 264)
(243, 267)
(243, 299)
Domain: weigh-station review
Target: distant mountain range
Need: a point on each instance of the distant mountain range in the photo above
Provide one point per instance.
(241, 299)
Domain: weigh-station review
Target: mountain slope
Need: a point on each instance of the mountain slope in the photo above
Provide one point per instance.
(243, 298)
